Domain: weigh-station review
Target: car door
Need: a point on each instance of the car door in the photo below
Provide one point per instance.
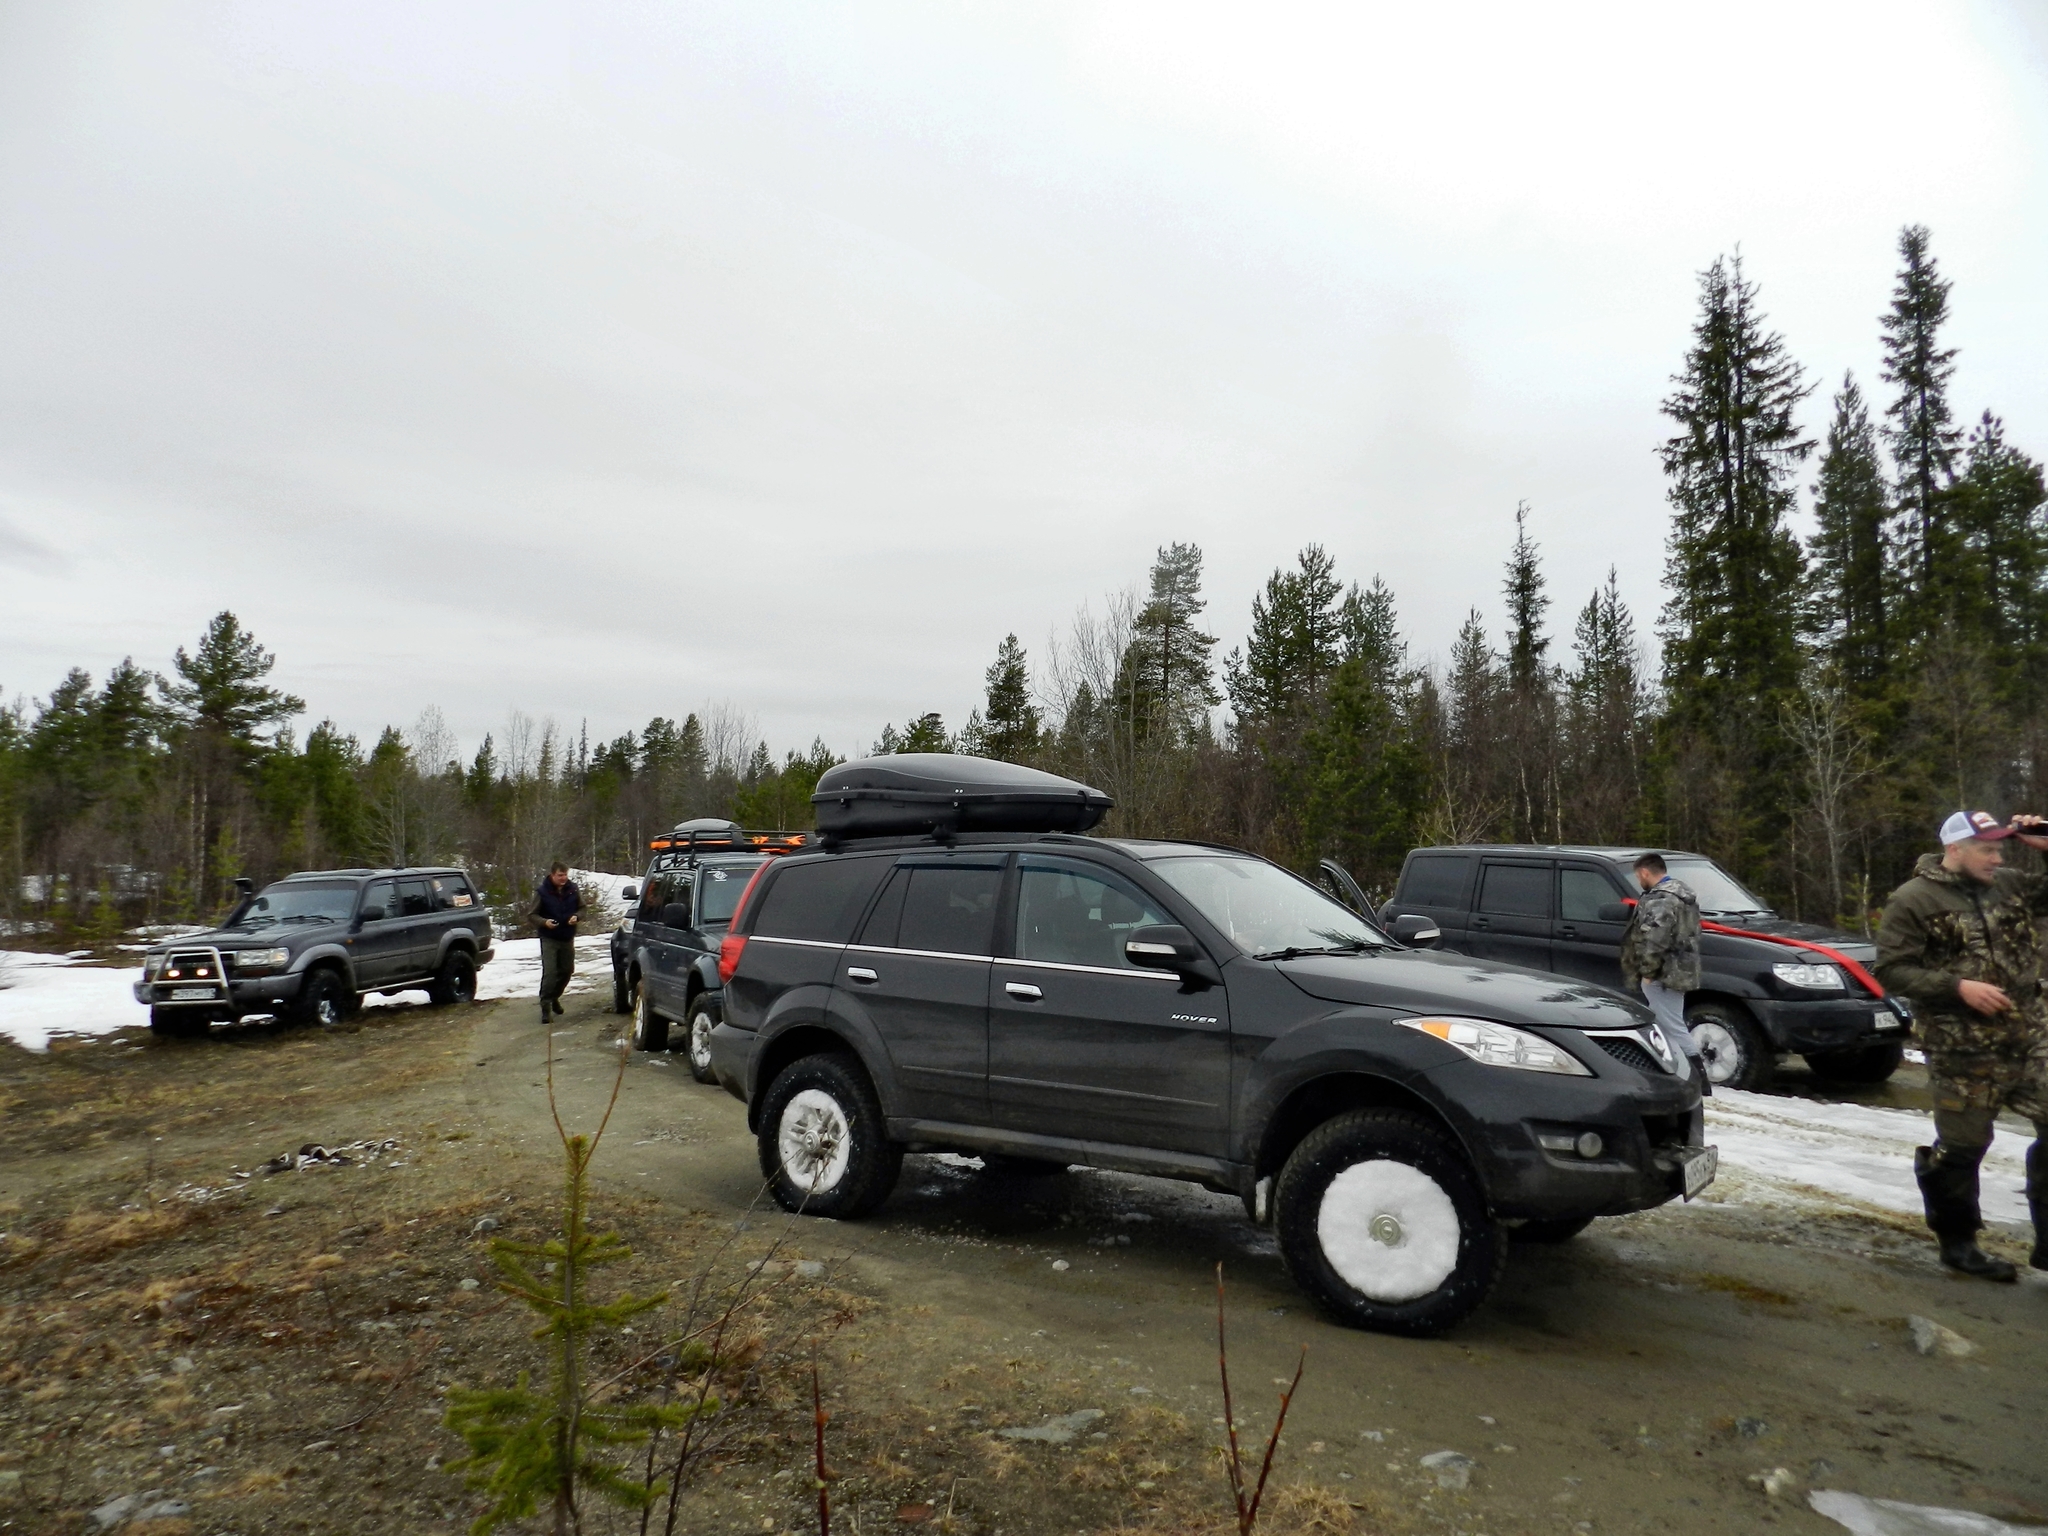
(379, 944)
(655, 938)
(422, 927)
(1437, 886)
(920, 970)
(1084, 1044)
(1583, 943)
(1512, 914)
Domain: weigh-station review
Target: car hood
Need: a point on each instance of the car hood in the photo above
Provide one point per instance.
(268, 936)
(1428, 981)
(1862, 951)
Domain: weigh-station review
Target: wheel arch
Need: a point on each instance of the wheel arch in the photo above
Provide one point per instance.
(1321, 1099)
(794, 1044)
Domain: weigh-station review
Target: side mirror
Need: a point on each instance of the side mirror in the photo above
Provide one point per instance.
(676, 914)
(1416, 931)
(369, 914)
(1170, 947)
(630, 893)
(1613, 912)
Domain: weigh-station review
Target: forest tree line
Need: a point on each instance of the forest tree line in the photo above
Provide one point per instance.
(1817, 703)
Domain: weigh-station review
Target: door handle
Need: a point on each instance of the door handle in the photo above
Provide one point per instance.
(1567, 932)
(1023, 991)
(861, 973)
(1480, 922)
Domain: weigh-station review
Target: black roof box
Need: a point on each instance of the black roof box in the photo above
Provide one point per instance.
(910, 794)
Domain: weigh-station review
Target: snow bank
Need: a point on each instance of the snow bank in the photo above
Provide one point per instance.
(46, 996)
(1803, 1152)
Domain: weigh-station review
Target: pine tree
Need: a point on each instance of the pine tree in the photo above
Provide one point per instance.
(1296, 642)
(221, 693)
(1734, 571)
(1009, 728)
(1370, 634)
(1849, 614)
(1174, 682)
(1917, 424)
(927, 733)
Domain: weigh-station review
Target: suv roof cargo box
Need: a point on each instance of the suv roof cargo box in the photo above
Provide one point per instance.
(909, 794)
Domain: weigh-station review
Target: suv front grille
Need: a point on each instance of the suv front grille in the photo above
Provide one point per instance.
(1631, 1053)
(190, 966)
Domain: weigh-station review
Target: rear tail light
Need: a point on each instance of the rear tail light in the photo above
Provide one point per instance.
(734, 943)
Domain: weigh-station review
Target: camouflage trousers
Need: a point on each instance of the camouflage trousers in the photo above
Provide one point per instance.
(1971, 1087)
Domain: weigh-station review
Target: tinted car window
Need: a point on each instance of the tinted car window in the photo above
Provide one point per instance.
(654, 896)
(413, 900)
(1515, 890)
(718, 890)
(820, 900)
(1582, 893)
(381, 893)
(1435, 880)
(452, 891)
(950, 908)
(1077, 914)
(282, 903)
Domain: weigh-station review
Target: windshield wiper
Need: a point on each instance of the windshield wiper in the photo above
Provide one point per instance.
(1294, 951)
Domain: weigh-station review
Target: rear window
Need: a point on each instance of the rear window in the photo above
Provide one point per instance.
(719, 887)
(452, 891)
(1515, 890)
(820, 900)
(1435, 880)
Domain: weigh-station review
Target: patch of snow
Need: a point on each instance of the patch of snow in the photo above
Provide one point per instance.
(1887, 1517)
(1388, 1229)
(1802, 1152)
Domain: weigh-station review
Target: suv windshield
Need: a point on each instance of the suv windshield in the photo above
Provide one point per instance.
(1263, 908)
(307, 903)
(1719, 893)
(718, 890)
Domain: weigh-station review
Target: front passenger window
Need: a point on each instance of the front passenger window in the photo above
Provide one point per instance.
(382, 894)
(1583, 893)
(1071, 913)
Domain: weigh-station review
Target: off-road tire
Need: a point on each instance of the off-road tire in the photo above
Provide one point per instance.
(833, 1088)
(704, 1017)
(1561, 1229)
(1734, 1050)
(1409, 1213)
(1874, 1063)
(456, 982)
(622, 997)
(178, 1023)
(324, 999)
(650, 1029)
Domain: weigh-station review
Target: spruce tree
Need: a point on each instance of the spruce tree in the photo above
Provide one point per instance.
(1734, 571)
(1527, 602)
(1529, 727)
(1296, 642)
(1918, 428)
(1997, 505)
(1370, 634)
(1008, 728)
(1849, 614)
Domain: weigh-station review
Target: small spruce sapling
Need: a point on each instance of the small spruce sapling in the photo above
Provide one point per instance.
(527, 1447)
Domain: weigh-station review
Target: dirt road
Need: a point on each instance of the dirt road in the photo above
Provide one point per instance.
(1646, 1376)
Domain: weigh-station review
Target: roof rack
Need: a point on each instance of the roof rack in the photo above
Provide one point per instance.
(710, 835)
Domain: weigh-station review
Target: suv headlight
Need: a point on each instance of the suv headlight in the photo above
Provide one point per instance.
(1500, 1046)
(1796, 973)
(261, 959)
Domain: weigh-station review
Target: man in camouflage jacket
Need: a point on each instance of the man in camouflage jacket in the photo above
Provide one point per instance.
(1660, 953)
(1962, 940)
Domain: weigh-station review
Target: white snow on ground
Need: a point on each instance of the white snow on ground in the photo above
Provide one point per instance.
(1802, 1152)
(45, 996)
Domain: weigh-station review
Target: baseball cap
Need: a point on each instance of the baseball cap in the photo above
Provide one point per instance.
(1964, 825)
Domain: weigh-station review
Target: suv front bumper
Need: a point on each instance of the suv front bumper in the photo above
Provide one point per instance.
(242, 994)
(1646, 1126)
(1832, 1024)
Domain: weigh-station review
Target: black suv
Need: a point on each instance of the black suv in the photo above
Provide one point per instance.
(1184, 1010)
(665, 953)
(1564, 909)
(312, 945)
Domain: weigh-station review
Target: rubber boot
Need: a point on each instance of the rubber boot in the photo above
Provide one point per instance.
(545, 1016)
(1948, 1188)
(2037, 1200)
(559, 1009)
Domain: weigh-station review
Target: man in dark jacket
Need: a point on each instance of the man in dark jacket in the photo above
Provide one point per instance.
(1660, 953)
(555, 906)
(1962, 939)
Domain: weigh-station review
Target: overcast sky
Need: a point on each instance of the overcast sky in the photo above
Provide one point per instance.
(604, 361)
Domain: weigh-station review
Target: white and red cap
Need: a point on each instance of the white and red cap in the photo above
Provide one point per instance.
(1964, 825)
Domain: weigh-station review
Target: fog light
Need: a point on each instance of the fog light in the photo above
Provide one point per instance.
(1589, 1144)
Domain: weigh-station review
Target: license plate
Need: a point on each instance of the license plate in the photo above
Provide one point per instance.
(193, 994)
(1884, 1018)
(1699, 1168)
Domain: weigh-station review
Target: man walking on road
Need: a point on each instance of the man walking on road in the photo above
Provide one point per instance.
(1660, 954)
(1962, 939)
(555, 906)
